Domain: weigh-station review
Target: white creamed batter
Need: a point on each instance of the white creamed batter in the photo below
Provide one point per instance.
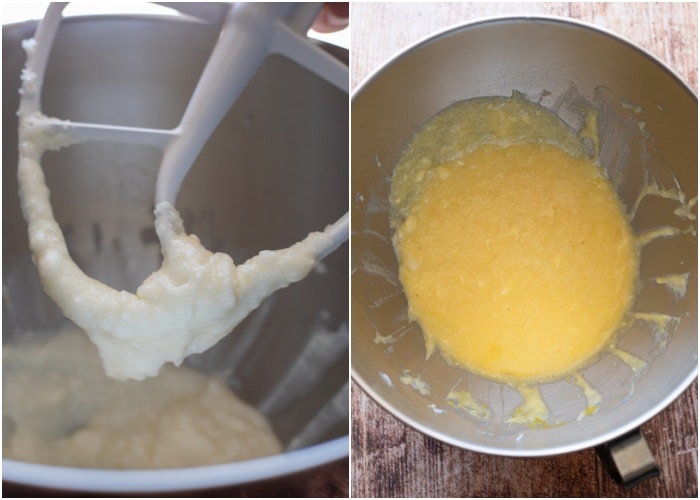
(191, 302)
(59, 408)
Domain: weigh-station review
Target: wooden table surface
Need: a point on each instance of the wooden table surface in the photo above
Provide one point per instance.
(390, 459)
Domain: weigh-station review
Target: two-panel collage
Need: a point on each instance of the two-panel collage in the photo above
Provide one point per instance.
(349, 250)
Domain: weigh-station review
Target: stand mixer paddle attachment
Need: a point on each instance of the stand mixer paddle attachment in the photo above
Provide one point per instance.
(197, 296)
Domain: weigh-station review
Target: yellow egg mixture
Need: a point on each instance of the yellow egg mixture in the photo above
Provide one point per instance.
(515, 254)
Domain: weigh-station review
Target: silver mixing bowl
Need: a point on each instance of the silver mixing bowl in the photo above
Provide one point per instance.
(274, 170)
(647, 118)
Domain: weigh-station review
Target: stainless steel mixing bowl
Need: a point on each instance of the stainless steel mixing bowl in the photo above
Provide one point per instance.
(274, 170)
(647, 119)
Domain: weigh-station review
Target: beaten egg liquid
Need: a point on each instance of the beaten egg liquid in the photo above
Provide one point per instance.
(515, 254)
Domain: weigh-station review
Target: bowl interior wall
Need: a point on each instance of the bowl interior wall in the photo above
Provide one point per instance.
(569, 69)
(273, 171)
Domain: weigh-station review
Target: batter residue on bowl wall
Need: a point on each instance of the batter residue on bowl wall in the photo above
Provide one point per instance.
(661, 210)
(516, 256)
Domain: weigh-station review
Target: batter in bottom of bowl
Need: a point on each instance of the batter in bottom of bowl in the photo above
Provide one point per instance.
(515, 253)
(59, 408)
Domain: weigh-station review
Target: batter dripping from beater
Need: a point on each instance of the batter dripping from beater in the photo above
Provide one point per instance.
(191, 302)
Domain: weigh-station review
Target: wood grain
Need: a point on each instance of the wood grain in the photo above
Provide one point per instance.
(666, 30)
(390, 459)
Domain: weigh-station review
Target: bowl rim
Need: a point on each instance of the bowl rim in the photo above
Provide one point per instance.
(604, 437)
(168, 480)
